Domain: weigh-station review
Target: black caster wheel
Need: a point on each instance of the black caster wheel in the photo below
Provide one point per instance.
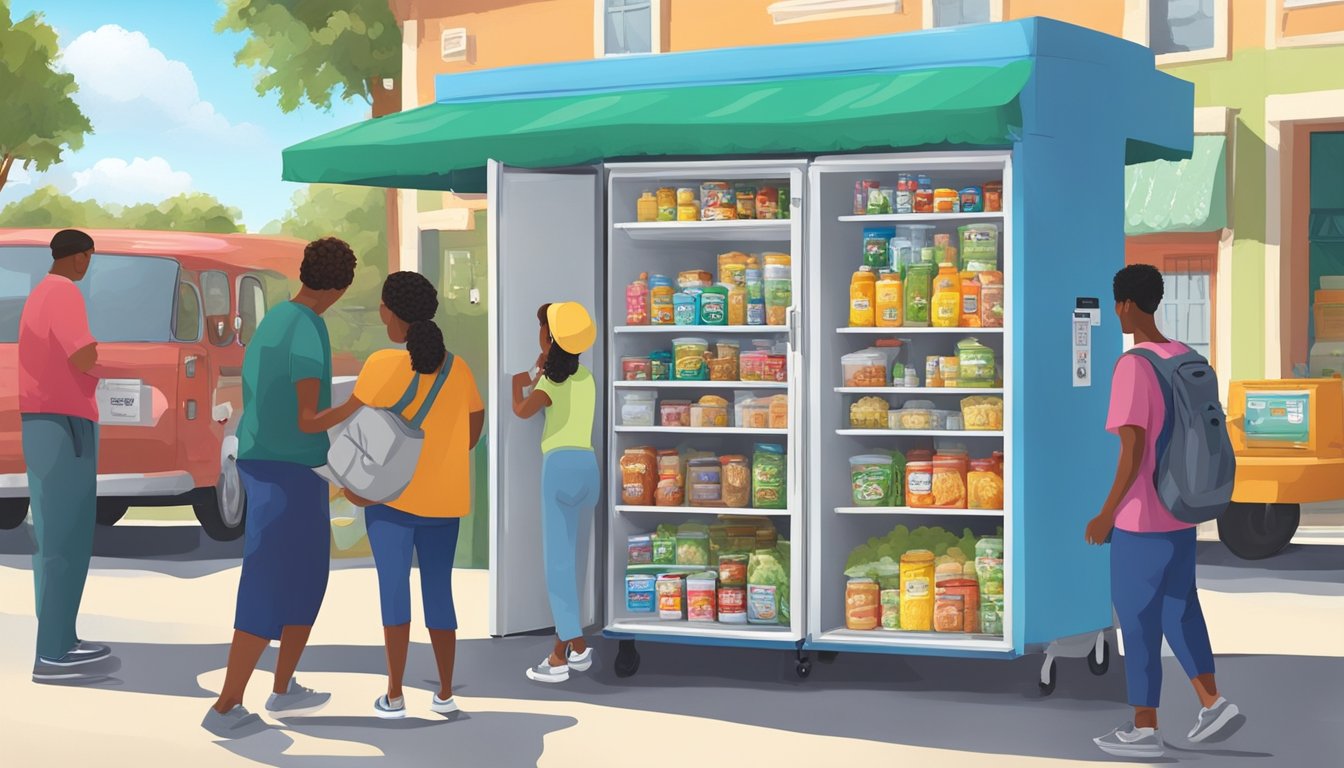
(627, 659)
(1099, 667)
(1048, 685)
(804, 669)
(826, 657)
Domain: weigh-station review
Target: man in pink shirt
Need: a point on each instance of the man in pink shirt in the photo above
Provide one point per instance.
(1152, 553)
(57, 386)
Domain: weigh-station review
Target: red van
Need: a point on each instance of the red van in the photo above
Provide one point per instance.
(172, 312)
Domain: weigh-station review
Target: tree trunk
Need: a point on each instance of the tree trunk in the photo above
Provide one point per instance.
(388, 102)
(6, 163)
(385, 101)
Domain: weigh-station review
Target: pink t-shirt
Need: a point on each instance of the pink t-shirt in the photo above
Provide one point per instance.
(1136, 401)
(55, 325)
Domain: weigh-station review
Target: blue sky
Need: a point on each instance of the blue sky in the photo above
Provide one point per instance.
(171, 112)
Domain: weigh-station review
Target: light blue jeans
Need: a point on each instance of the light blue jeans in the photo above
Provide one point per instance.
(570, 485)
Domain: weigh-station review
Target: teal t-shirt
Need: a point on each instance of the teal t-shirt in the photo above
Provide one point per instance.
(289, 346)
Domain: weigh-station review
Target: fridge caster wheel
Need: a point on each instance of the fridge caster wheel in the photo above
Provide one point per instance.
(804, 668)
(627, 659)
(1099, 661)
(1048, 677)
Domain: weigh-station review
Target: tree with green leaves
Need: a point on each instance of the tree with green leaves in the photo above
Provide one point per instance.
(38, 118)
(309, 51)
(49, 208)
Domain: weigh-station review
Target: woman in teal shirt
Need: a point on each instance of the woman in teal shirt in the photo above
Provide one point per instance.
(570, 480)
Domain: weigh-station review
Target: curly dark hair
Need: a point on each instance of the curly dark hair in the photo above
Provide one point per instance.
(414, 300)
(328, 265)
(559, 365)
(1141, 284)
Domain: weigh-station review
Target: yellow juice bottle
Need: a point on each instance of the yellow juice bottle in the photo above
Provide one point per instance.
(890, 300)
(863, 299)
(946, 297)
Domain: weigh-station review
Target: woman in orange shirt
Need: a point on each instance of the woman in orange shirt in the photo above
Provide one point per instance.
(424, 520)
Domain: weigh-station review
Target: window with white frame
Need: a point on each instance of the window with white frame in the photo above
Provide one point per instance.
(628, 26)
(1182, 26)
(1186, 313)
(956, 13)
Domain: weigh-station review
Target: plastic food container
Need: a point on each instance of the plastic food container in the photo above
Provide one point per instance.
(862, 607)
(701, 602)
(675, 413)
(640, 549)
(866, 368)
(871, 478)
(755, 415)
(693, 548)
(637, 409)
(671, 597)
(686, 309)
(919, 419)
(689, 362)
(636, 368)
(709, 415)
(752, 365)
(640, 594)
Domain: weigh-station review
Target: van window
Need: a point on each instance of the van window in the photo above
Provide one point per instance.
(187, 318)
(218, 307)
(128, 298)
(251, 307)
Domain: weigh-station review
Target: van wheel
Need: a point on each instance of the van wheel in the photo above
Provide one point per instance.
(222, 510)
(110, 511)
(1258, 531)
(12, 513)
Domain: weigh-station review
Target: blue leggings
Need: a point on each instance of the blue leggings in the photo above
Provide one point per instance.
(570, 484)
(393, 536)
(1153, 589)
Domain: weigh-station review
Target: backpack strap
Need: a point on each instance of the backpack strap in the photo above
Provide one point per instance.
(1161, 372)
(442, 376)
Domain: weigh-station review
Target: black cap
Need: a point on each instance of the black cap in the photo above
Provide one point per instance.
(68, 242)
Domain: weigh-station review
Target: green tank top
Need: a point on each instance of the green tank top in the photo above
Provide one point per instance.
(569, 420)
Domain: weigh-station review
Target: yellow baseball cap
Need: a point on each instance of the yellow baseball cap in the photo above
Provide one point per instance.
(571, 326)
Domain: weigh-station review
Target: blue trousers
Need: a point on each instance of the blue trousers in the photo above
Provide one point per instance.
(62, 457)
(286, 549)
(570, 487)
(394, 536)
(1153, 589)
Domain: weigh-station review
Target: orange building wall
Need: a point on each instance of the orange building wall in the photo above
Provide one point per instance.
(1105, 16)
(1313, 20)
(701, 24)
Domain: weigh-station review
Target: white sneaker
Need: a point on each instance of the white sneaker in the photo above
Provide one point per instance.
(1128, 741)
(1217, 723)
(581, 662)
(390, 709)
(444, 706)
(545, 673)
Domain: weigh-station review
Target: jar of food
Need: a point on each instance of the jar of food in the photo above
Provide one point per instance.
(667, 204)
(755, 415)
(736, 481)
(861, 195)
(949, 482)
(701, 590)
(733, 605)
(871, 480)
(689, 359)
(767, 203)
(863, 608)
(746, 201)
(778, 274)
(968, 592)
(646, 208)
(919, 484)
(671, 597)
(917, 590)
(637, 409)
(863, 299)
(984, 485)
(949, 613)
(688, 211)
(946, 201)
(733, 569)
(671, 492)
(635, 368)
(994, 196)
(779, 412)
(660, 300)
(637, 301)
(675, 413)
(923, 194)
(686, 196)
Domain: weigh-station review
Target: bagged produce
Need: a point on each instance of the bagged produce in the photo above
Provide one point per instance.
(692, 544)
(767, 584)
(975, 364)
(769, 477)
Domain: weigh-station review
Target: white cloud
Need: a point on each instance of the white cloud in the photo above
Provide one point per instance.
(126, 84)
(18, 177)
(113, 180)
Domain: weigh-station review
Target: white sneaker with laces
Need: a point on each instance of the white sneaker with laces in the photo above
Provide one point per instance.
(581, 662)
(1128, 741)
(1217, 723)
(444, 706)
(545, 673)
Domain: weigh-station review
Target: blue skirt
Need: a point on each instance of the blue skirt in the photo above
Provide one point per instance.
(287, 551)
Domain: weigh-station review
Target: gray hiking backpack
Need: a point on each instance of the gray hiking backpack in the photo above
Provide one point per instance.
(1196, 466)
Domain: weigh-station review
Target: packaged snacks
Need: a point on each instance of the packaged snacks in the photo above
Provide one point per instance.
(869, 413)
(972, 200)
(863, 608)
(949, 613)
(984, 485)
(949, 369)
(688, 211)
(717, 200)
(686, 309)
(646, 208)
(736, 481)
(755, 415)
(660, 365)
(737, 305)
(890, 599)
(989, 565)
(979, 244)
(714, 306)
(689, 362)
(917, 590)
(727, 355)
(638, 477)
(671, 596)
(664, 548)
(769, 477)
(918, 295)
(640, 594)
(871, 480)
(991, 615)
(636, 368)
(767, 587)
(701, 590)
(983, 413)
(746, 201)
(877, 247)
(918, 416)
(640, 549)
(969, 592)
(660, 300)
(755, 285)
(637, 409)
(863, 299)
(667, 204)
(890, 304)
(970, 300)
(778, 287)
(776, 368)
(919, 484)
(862, 193)
(778, 412)
(733, 569)
(976, 365)
(991, 299)
(946, 201)
(692, 544)
(711, 411)
(637, 301)
(767, 203)
(866, 368)
(675, 413)
(949, 482)
(705, 479)
(993, 196)
(733, 605)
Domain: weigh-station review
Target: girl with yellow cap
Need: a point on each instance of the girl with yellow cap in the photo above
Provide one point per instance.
(570, 480)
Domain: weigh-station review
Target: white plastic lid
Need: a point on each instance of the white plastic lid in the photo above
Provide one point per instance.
(874, 459)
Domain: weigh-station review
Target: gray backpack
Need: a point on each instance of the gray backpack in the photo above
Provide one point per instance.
(1196, 466)
(374, 453)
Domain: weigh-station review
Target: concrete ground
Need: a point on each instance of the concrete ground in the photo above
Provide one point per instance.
(164, 597)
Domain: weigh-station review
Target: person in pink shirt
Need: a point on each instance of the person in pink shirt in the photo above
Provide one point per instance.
(1152, 553)
(59, 410)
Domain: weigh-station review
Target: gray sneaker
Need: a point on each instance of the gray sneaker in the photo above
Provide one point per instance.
(1128, 741)
(545, 673)
(82, 653)
(1217, 723)
(296, 702)
(234, 724)
(390, 709)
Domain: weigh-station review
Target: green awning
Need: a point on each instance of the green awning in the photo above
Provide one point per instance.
(445, 146)
(1185, 196)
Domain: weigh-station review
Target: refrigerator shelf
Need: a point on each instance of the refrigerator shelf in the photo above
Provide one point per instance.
(903, 330)
(664, 384)
(707, 329)
(897, 639)
(688, 510)
(915, 218)
(683, 628)
(919, 512)
(968, 391)
(918, 433)
(646, 569)
(763, 230)
(701, 431)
